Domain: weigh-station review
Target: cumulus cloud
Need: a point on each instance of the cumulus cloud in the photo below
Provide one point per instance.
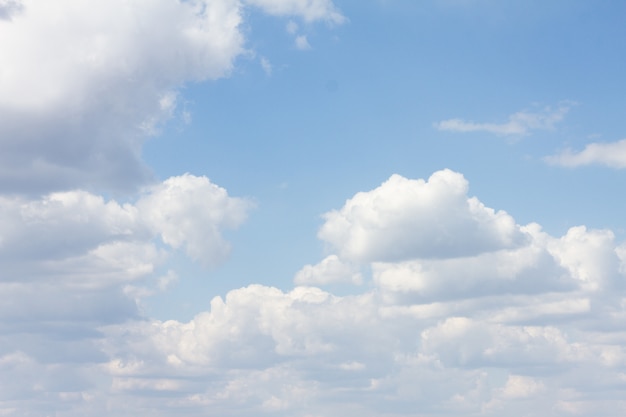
(508, 328)
(191, 211)
(407, 219)
(518, 124)
(68, 226)
(82, 85)
(329, 270)
(72, 261)
(611, 154)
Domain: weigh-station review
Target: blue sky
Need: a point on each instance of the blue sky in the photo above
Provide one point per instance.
(311, 208)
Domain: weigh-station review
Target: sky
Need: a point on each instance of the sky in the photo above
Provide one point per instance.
(311, 208)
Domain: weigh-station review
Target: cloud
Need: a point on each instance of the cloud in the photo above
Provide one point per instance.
(266, 65)
(292, 27)
(519, 124)
(329, 270)
(191, 211)
(302, 43)
(82, 85)
(309, 10)
(611, 154)
(511, 327)
(71, 262)
(407, 219)
(9, 8)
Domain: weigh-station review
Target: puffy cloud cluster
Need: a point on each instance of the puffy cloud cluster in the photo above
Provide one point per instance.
(459, 310)
(520, 322)
(72, 262)
(405, 219)
(330, 270)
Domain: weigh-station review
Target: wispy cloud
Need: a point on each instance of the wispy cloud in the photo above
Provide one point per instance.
(518, 124)
(266, 65)
(302, 43)
(612, 154)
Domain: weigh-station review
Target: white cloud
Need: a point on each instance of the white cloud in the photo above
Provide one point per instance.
(464, 312)
(519, 124)
(72, 261)
(302, 43)
(77, 226)
(309, 10)
(408, 219)
(82, 84)
(611, 154)
(329, 270)
(292, 27)
(191, 211)
(589, 256)
(506, 329)
(266, 65)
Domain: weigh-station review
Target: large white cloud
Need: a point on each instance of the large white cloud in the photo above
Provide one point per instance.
(82, 84)
(71, 262)
(408, 219)
(535, 327)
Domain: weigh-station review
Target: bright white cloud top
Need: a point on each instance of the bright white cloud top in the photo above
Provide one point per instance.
(404, 219)
(132, 287)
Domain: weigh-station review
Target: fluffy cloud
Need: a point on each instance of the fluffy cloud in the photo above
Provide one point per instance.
(82, 85)
(519, 124)
(611, 154)
(406, 219)
(71, 262)
(329, 270)
(509, 328)
(73, 227)
(191, 211)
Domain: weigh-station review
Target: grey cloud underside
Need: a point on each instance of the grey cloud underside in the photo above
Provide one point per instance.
(38, 154)
(78, 118)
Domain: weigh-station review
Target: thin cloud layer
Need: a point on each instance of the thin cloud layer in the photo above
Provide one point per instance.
(518, 124)
(612, 154)
(309, 10)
